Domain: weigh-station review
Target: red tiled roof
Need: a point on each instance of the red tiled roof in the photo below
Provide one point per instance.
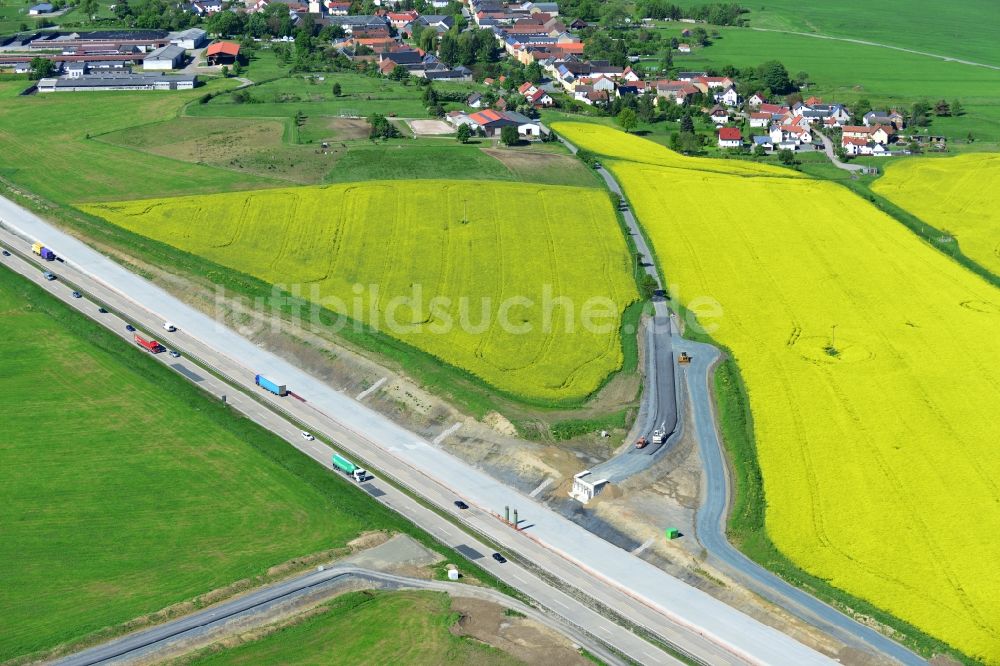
(226, 48)
(730, 134)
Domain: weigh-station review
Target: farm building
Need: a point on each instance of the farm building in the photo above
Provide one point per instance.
(165, 57)
(43, 8)
(222, 53)
(117, 81)
(192, 38)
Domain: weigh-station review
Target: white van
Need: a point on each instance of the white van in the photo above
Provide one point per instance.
(168, 327)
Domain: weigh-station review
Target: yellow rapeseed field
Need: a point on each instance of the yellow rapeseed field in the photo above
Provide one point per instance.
(959, 195)
(614, 143)
(373, 250)
(879, 454)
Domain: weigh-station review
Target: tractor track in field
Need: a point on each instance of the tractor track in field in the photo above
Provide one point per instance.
(865, 42)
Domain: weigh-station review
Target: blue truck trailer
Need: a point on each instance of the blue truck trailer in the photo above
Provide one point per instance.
(268, 385)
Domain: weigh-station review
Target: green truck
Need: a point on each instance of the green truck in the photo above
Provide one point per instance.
(349, 468)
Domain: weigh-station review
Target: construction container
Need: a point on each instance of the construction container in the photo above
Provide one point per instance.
(672, 533)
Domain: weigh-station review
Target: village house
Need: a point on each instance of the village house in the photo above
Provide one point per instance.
(719, 115)
(755, 100)
(730, 137)
(758, 119)
(728, 97)
(889, 118)
(880, 134)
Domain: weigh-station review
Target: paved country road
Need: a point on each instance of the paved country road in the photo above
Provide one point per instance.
(711, 516)
(147, 643)
(828, 149)
(623, 584)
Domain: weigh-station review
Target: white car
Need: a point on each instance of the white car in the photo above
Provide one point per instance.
(307, 436)
(168, 327)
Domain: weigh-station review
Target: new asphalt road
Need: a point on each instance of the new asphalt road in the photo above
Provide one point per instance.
(633, 588)
(147, 643)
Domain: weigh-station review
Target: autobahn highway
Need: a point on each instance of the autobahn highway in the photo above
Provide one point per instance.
(594, 630)
(646, 596)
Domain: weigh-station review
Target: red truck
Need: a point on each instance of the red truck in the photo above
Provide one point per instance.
(149, 345)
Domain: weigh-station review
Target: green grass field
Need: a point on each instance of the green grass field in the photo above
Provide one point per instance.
(367, 628)
(969, 30)
(846, 72)
(126, 490)
(531, 243)
(46, 146)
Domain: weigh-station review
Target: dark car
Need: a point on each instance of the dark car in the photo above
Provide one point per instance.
(499, 558)
(129, 327)
(102, 310)
(77, 294)
(461, 505)
(6, 253)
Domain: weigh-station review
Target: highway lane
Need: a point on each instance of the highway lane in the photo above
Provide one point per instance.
(147, 643)
(647, 596)
(594, 631)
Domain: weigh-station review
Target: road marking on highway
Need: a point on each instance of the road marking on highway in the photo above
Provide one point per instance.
(541, 486)
(638, 549)
(556, 601)
(440, 438)
(371, 389)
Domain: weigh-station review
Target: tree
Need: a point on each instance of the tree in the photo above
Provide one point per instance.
(627, 119)
(237, 68)
(533, 72)
(942, 108)
(970, 138)
(759, 151)
(861, 108)
(690, 143)
(687, 124)
(774, 76)
(509, 136)
(919, 114)
(225, 71)
(430, 96)
(956, 108)
(802, 79)
(464, 133)
(381, 128)
(399, 73)
(89, 7)
(42, 68)
(427, 41)
(675, 142)
(786, 157)
(337, 90)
